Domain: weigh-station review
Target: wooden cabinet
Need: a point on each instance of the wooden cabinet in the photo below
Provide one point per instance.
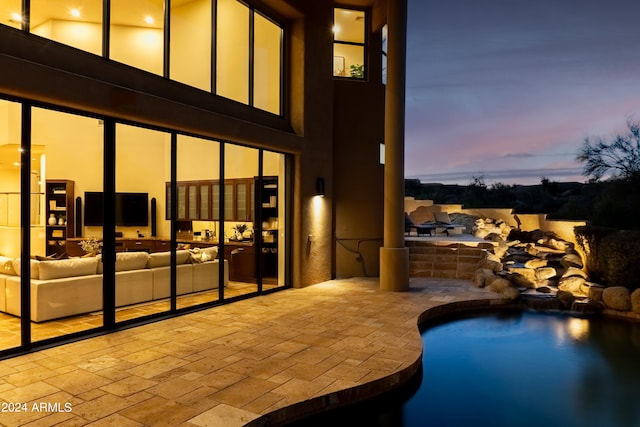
(200, 200)
(60, 217)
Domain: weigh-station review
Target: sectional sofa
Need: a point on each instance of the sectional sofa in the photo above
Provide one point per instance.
(73, 286)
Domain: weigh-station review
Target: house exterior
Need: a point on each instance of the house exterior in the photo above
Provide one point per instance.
(166, 129)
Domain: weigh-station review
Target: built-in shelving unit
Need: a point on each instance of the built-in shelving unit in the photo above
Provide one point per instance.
(59, 196)
(267, 204)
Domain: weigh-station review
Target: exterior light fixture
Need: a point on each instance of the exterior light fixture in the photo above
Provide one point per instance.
(319, 187)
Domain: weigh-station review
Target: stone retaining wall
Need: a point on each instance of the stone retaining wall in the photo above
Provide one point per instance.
(444, 260)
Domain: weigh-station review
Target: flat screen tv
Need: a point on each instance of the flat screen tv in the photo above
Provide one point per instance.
(132, 209)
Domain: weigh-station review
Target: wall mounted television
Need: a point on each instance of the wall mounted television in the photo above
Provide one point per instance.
(132, 209)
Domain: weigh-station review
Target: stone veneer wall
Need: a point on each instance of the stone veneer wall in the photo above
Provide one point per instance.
(450, 261)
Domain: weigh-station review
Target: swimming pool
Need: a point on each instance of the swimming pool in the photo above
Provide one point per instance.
(519, 369)
(529, 369)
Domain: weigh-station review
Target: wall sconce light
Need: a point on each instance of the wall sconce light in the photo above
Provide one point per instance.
(320, 187)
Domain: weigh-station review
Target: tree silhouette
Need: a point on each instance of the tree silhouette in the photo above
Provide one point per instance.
(621, 156)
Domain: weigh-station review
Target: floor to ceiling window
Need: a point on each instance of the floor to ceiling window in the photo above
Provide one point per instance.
(67, 161)
(195, 221)
(198, 219)
(143, 159)
(241, 167)
(10, 214)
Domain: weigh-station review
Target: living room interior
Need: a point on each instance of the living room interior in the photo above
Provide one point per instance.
(67, 177)
(233, 201)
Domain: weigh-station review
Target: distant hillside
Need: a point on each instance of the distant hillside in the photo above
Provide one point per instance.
(560, 200)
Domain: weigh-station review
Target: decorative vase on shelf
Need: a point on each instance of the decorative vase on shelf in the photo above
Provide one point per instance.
(61, 221)
(52, 219)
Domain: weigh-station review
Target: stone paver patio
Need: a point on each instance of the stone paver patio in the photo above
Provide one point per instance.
(259, 361)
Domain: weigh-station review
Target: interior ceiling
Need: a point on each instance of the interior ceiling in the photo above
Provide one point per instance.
(10, 156)
(124, 12)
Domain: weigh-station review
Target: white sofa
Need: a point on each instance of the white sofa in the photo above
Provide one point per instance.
(74, 286)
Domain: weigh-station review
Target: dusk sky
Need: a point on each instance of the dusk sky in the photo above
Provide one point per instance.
(509, 89)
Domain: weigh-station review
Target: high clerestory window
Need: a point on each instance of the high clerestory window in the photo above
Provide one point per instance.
(349, 43)
(235, 52)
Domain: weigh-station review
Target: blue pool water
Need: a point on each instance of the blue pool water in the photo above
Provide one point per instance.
(528, 369)
(517, 369)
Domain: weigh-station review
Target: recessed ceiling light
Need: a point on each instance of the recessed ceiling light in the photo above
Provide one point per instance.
(75, 13)
(148, 20)
(16, 17)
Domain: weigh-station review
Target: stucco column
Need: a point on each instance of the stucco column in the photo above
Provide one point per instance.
(394, 256)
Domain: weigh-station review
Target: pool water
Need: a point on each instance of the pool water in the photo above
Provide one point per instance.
(528, 369)
(516, 369)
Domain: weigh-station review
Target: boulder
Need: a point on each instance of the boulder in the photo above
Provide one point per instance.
(586, 307)
(595, 292)
(498, 284)
(525, 277)
(493, 257)
(559, 245)
(536, 263)
(574, 271)
(511, 293)
(635, 301)
(532, 250)
(500, 250)
(572, 284)
(481, 276)
(571, 260)
(545, 273)
(566, 299)
(617, 298)
(490, 265)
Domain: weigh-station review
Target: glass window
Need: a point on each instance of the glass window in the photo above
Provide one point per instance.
(10, 208)
(137, 34)
(198, 169)
(273, 219)
(349, 43)
(11, 13)
(79, 26)
(384, 54)
(191, 43)
(267, 64)
(241, 168)
(142, 163)
(69, 150)
(232, 40)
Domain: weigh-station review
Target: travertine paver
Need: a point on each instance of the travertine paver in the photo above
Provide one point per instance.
(233, 365)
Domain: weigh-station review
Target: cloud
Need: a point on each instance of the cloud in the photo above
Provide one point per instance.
(517, 81)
